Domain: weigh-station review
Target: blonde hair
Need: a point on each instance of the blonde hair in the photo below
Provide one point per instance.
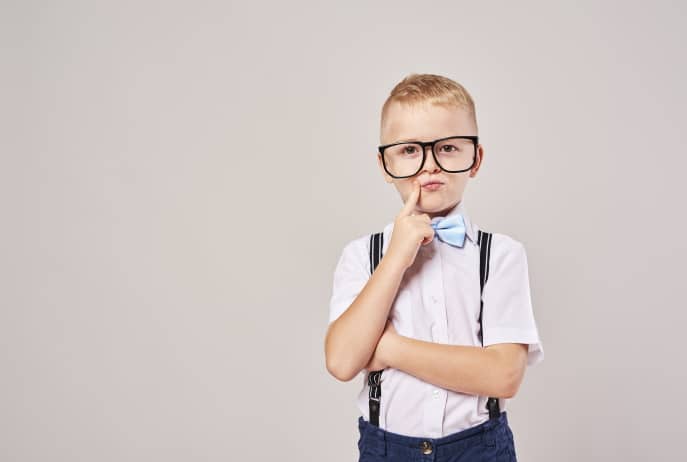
(430, 89)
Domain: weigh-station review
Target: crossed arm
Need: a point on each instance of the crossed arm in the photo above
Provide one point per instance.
(496, 370)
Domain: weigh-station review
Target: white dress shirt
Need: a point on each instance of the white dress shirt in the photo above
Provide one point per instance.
(438, 301)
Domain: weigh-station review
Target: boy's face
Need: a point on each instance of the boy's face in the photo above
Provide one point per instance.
(426, 122)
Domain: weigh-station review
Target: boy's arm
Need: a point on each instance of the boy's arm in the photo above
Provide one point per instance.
(352, 338)
(494, 371)
(498, 369)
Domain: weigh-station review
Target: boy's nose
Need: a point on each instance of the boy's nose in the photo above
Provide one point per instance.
(430, 164)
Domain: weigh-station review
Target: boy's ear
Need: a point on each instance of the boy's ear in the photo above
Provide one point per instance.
(478, 161)
(388, 178)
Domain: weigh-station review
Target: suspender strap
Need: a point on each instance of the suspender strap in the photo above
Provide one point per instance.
(374, 378)
(484, 240)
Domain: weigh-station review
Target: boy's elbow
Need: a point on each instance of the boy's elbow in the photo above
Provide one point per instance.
(340, 371)
(509, 392)
(338, 365)
(511, 384)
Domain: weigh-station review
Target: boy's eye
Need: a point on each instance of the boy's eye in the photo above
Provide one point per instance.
(448, 148)
(409, 149)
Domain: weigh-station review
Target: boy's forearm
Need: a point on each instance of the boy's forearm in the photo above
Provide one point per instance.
(461, 368)
(352, 338)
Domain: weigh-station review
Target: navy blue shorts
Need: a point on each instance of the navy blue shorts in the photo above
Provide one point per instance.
(489, 441)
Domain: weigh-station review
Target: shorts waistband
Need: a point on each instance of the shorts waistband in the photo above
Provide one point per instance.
(415, 441)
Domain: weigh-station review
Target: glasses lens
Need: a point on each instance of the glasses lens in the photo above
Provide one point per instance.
(403, 159)
(455, 154)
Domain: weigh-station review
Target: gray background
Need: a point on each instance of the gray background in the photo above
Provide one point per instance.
(179, 178)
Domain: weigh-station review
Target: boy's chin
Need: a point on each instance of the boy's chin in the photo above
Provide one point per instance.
(435, 205)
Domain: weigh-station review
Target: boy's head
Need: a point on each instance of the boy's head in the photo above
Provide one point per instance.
(428, 107)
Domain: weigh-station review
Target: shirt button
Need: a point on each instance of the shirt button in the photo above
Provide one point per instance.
(435, 333)
(435, 393)
(434, 299)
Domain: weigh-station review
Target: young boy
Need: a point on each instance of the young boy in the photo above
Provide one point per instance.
(434, 312)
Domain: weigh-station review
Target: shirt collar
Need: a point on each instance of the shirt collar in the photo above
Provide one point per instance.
(459, 208)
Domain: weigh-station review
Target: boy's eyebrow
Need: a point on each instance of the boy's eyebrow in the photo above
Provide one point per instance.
(404, 140)
(407, 140)
(415, 140)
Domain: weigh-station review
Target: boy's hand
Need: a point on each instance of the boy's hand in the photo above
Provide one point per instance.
(410, 231)
(380, 357)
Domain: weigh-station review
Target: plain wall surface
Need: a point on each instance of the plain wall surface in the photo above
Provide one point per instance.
(177, 181)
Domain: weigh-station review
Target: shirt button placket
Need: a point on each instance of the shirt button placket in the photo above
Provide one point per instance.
(436, 400)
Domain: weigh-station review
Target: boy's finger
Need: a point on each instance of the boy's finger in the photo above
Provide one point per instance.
(411, 201)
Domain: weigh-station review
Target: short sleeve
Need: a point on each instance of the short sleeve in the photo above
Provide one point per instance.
(507, 315)
(350, 276)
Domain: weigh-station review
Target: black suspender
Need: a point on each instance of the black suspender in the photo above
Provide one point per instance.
(374, 377)
(484, 240)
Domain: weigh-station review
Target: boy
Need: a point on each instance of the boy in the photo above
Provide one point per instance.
(434, 313)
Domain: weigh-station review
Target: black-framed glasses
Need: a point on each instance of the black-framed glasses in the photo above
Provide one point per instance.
(453, 154)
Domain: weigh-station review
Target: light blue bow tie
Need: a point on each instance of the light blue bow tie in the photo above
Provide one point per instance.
(451, 229)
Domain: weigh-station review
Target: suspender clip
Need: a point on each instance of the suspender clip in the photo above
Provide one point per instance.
(373, 380)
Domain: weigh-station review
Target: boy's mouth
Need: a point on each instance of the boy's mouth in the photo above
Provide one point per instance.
(431, 181)
(432, 185)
